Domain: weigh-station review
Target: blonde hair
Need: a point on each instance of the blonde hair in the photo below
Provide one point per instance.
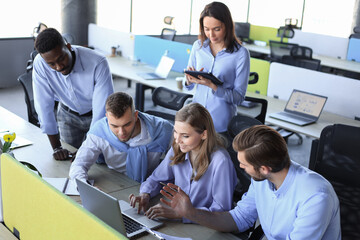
(200, 119)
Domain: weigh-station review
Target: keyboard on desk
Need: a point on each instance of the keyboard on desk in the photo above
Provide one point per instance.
(292, 118)
(131, 225)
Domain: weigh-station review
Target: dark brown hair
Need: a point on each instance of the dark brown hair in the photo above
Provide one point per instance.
(48, 40)
(263, 146)
(117, 103)
(222, 13)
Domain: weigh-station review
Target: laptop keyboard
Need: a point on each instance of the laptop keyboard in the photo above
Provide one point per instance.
(130, 225)
(293, 116)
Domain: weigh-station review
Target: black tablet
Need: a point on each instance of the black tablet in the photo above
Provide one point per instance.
(209, 76)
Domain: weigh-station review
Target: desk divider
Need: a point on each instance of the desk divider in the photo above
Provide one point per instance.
(150, 50)
(353, 53)
(36, 210)
(264, 34)
(262, 67)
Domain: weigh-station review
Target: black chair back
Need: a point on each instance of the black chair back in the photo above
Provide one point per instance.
(312, 64)
(169, 99)
(336, 156)
(280, 49)
(301, 52)
(25, 80)
(168, 33)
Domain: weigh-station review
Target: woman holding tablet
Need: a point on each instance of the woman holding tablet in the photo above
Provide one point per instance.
(197, 162)
(218, 51)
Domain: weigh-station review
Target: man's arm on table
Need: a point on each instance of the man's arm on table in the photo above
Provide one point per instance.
(180, 202)
(59, 152)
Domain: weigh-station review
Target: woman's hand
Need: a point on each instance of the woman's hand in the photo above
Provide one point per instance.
(143, 201)
(200, 80)
(160, 210)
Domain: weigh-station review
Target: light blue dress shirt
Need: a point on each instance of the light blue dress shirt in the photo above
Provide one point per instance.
(232, 69)
(84, 89)
(212, 192)
(304, 207)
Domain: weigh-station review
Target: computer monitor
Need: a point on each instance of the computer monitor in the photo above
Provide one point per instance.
(242, 31)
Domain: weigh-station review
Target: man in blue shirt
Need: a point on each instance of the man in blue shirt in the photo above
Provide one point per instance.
(79, 79)
(290, 201)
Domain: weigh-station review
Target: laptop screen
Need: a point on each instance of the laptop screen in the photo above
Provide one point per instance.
(305, 103)
(164, 66)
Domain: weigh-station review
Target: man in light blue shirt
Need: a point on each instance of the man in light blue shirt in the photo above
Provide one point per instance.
(79, 79)
(290, 201)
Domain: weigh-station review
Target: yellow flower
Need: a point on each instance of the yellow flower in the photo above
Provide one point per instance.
(10, 137)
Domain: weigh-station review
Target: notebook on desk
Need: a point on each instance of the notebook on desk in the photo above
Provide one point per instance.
(116, 213)
(302, 108)
(162, 70)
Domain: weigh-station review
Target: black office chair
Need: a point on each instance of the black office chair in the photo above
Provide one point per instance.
(280, 49)
(336, 156)
(285, 32)
(25, 80)
(168, 33)
(312, 64)
(236, 125)
(302, 52)
(356, 33)
(171, 100)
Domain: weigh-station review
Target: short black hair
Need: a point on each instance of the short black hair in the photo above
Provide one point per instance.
(48, 40)
(118, 103)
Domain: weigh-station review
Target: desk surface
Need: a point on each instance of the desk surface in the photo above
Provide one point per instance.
(312, 130)
(326, 61)
(110, 181)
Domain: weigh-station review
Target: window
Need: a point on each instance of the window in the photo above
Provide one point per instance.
(329, 17)
(114, 14)
(19, 18)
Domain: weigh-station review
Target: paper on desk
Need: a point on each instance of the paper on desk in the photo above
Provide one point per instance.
(18, 142)
(169, 237)
(59, 184)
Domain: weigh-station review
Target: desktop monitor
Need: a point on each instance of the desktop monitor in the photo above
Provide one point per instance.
(242, 31)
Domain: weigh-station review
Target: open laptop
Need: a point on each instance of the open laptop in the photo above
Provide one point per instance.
(302, 108)
(162, 70)
(117, 214)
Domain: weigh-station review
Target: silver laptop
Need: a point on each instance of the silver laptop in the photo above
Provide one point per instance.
(302, 108)
(117, 214)
(162, 70)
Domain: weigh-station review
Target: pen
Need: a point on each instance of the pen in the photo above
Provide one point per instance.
(65, 185)
(154, 233)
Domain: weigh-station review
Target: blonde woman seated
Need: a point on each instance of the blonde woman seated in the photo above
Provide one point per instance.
(197, 162)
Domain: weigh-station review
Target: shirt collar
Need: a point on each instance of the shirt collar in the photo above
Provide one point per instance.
(289, 179)
(78, 66)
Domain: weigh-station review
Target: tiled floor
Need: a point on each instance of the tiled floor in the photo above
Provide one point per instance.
(13, 100)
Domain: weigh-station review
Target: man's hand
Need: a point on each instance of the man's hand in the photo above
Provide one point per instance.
(62, 154)
(160, 210)
(143, 201)
(179, 201)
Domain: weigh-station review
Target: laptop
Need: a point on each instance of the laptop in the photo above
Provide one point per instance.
(302, 108)
(116, 213)
(162, 70)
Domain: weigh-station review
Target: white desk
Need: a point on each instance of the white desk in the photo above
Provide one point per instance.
(312, 130)
(128, 69)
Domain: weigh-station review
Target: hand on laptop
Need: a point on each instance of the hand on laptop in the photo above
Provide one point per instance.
(160, 210)
(143, 201)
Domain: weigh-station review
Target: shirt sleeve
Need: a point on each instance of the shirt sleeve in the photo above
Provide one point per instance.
(102, 89)
(192, 63)
(237, 94)
(86, 156)
(245, 213)
(163, 173)
(44, 99)
(313, 217)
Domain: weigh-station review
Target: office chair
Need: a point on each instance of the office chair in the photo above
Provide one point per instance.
(25, 80)
(336, 156)
(237, 124)
(356, 33)
(312, 64)
(280, 49)
(69, 38)
(168, 33)
(252, 101)
(285, 32)
(169, 99)
(302, 52)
